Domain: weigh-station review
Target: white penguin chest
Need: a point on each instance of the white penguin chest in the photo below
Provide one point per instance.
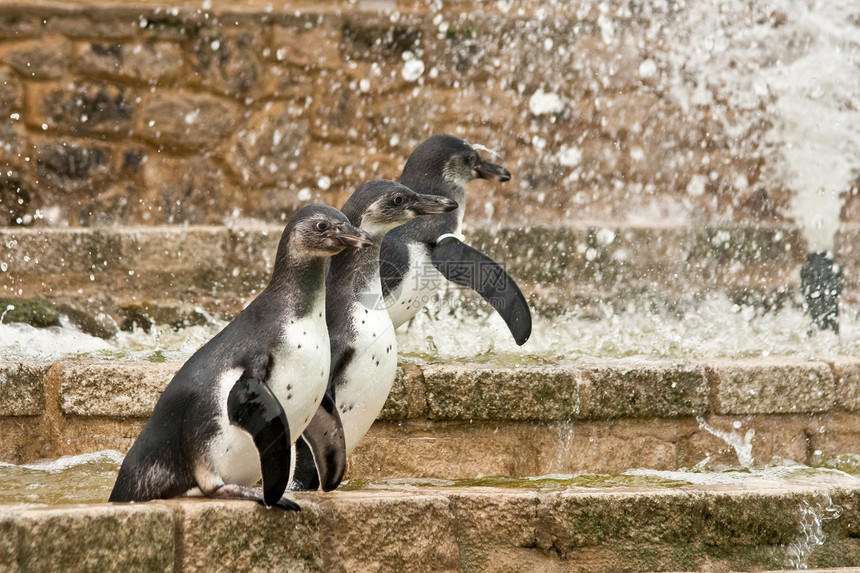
(298, 379)
(420, 284)
(364, 385)
(301, 369)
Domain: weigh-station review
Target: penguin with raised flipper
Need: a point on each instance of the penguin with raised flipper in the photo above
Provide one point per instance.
(227, 417)
(418, 257)
(363, 342)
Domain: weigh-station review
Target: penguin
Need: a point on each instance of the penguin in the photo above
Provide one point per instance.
(417, 258)
(363, 341)
(226, 419)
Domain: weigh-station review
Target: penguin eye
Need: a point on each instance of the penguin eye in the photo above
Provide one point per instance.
(398, 200)
(322, 226)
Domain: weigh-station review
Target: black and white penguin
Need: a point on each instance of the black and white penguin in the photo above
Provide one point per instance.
(363, 342)
(228, 416)
(418, 257)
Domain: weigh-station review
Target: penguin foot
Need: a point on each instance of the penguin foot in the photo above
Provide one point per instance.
(284, 503)
(233, 491)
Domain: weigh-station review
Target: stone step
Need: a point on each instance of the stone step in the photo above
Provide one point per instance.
(741, 527)
(465, 420)
(138, 275)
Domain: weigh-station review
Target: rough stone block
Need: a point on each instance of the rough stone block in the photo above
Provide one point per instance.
(81, 107)
(96, 538)
(746, 519)
(245, 536)
(605, 448)
(388, 531)
(477, 392)
(8, 542)
(22, 388)
(640, 389)
(43, 59)
(489, 523)
(149, 62)
(226, 61)
(846, 374)
(72, 165)
(185, 119)
(317, 47)
(179, 189)
(570, 521)
(117, 389)
(834, 435)
(770, 386)
(407, 398)
(272, 139)
(103, 24)
(19, 23)
(10, 91)
(450, 450)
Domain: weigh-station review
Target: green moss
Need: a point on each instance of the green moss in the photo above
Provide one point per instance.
(38, 313)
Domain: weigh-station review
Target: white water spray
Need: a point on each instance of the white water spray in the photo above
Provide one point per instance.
(740, 443)
(795, 64)
(812, 535)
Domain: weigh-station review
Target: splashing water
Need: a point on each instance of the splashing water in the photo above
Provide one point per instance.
(715, 328)
(795, 60)
(741, 444)
(812, 535)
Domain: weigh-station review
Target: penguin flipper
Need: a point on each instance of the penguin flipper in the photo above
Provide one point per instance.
(325, 439)
(252, 406)
(467, 266)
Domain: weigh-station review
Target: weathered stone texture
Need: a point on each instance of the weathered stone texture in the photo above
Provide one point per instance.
(306, 47)
(634, 388)
(85, 107)
(240, 536)
(22, 388)
(771, 386)
(408, 397)
(381, 531)
(110, 389)
(454, 450)
(186, 119)
(44, 59)
(846, 374)
(618, 143)
(465, 392)
(225, 61)
(71, 167)
(8, 542)
(96, 538)
(488, 524)
(151, 63)
(270, 147)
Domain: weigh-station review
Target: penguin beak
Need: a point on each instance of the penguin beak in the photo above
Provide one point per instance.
(432, 204)
(491, 171)
(349, 236)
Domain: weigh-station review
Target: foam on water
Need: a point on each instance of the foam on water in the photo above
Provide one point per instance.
(713, 327)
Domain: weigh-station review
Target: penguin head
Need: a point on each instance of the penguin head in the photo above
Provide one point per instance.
(319, 231)
(379, 206)
(452, 159)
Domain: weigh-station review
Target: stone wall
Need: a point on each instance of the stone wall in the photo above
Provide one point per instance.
(461, 420)
(144, 113)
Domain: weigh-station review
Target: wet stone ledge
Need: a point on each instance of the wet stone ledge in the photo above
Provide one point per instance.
(132, 275)
(689, 528)
(461, 420)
